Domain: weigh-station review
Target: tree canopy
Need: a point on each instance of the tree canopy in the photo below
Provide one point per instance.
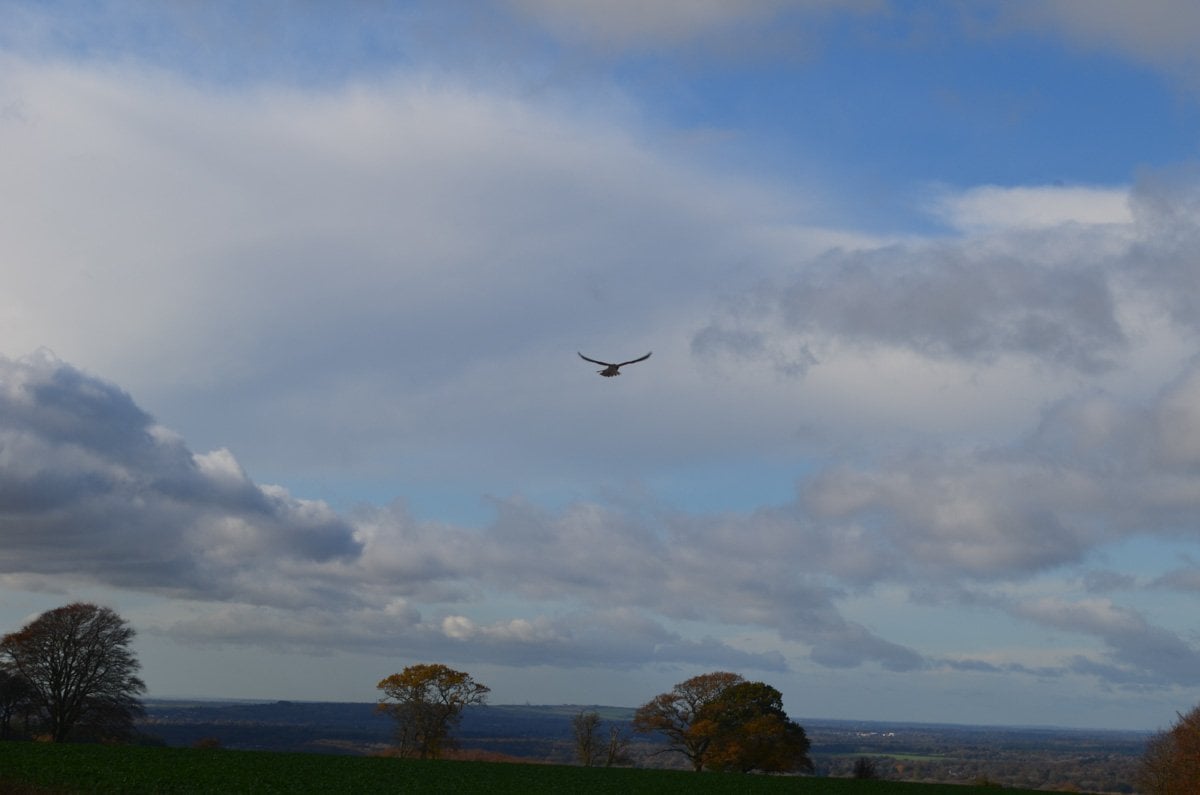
(721, 721)
(675, 714)
(77, 662)
(750, 731)
(427, 701)
(1171, 763)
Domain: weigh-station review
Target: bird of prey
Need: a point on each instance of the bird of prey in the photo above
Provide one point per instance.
(612, 369)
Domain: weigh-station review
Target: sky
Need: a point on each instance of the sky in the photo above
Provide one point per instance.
(291, 295)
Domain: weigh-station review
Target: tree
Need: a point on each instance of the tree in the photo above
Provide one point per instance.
(616, 752)
(591, 748)
(1171, 763)
(82, 672)
(585, 726)
(750, 731)
(16, 698)
(427, 703)
(675, 714)
(864, 768)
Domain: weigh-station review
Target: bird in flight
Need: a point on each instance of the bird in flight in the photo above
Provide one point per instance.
(612, 369)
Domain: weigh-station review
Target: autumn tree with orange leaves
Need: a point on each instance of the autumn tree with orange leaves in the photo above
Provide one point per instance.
(749, 731)
(427, 702)
(721, 721)
(675, 714)
(1171, 763)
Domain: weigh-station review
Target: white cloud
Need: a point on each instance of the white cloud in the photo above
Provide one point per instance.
(371, 263)
(993, 208)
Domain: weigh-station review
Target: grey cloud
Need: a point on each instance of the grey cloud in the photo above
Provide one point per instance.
(971, 517)
(732, 28)
(1094, 470)
(92, 489)
(1001, 514)
(1057, 296)
(619, 638)
(91, 486)
(1145, 653)
(429, 561)
(970, 665)
(975, 300)
(1139, 655)
(1100, 581)
(130, 506)
(1161, 261)
(1160, 33)
(851, 645)
(767, 570)
(711, 652)
(585, 550)
(1120, 676)
(719, 339)
(973, 666)
(1185, 579)
(311, 630)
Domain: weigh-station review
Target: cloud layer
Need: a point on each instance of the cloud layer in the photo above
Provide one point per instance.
(94, 489)
(378, 284)
(1057, 285)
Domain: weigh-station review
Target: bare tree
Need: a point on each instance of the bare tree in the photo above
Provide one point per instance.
(78, 662)
(591, 748)
(585, 726)
(616, 752)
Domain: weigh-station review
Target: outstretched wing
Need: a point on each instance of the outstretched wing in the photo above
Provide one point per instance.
(593, 361)
(634, 361)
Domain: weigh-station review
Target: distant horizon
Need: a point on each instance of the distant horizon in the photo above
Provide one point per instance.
(801, 719)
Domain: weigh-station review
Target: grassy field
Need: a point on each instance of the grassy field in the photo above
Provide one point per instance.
(45, 768)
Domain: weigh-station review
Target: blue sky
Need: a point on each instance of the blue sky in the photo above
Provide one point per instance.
(293, 294)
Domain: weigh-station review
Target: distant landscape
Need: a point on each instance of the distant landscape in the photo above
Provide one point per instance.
(1027, 757)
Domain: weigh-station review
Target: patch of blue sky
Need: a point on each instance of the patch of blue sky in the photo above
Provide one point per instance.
(435, 499)
(958, 112)
(730, 486)
(1146, 558)
(220, 41)
(726, 486)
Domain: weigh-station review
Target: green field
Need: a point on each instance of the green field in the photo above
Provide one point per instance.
(37, 767)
